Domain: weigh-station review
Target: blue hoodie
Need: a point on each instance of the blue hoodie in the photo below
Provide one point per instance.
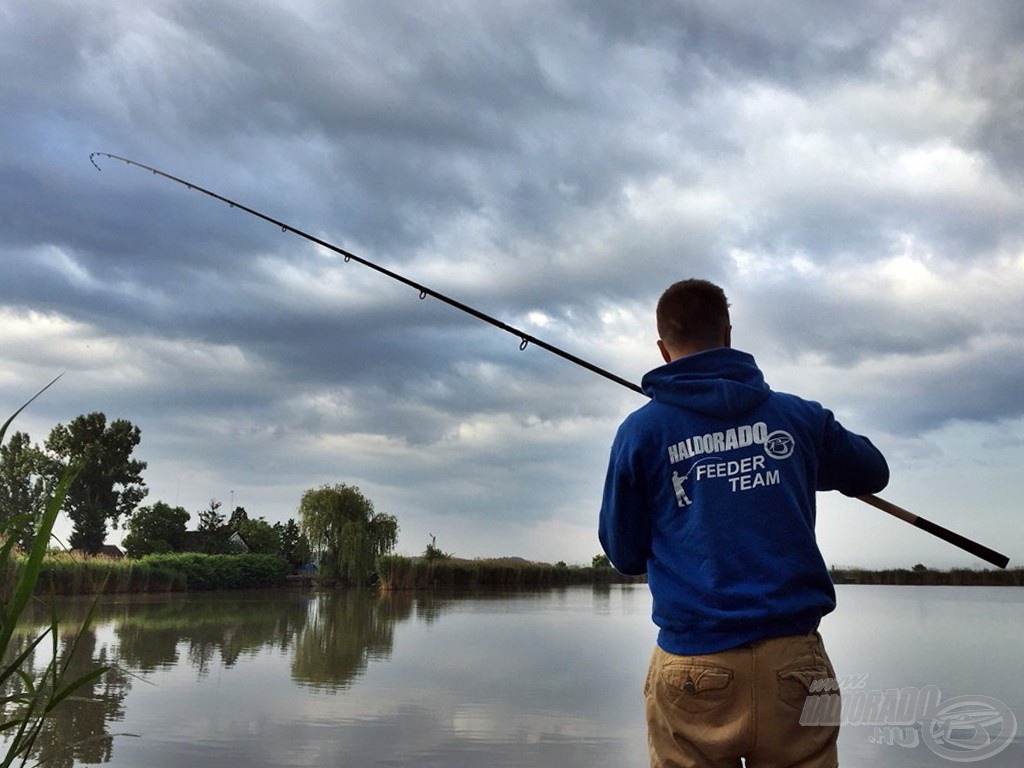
(711, 492)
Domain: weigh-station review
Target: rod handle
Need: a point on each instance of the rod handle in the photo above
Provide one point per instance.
(951, 537)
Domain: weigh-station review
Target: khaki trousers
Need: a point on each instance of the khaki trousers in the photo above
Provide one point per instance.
(710, 711)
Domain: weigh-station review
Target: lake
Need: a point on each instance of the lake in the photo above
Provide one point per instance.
(551, 678)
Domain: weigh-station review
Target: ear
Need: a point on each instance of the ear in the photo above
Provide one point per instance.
(664, 351)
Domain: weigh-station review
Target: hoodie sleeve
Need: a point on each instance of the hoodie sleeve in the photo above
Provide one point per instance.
(625, 525)
(850, 463)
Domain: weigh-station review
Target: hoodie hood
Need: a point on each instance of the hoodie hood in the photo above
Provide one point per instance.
(722, 383)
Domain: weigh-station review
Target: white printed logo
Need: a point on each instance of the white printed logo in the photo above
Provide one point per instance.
(742, 474)
(780, 444)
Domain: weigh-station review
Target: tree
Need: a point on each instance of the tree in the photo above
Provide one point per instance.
(22, 487)
(109, 484)
(238, 516)
(159, 528)
(211, 519)
(601, 561)
(213, 531)
(434, 552)
(259, 536)
(345, 532)
(294, 544)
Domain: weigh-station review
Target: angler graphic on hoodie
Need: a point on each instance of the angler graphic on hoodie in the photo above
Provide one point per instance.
(711, 492)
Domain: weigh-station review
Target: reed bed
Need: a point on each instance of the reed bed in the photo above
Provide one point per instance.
(956, 577)
(64, 573)
(405, 573)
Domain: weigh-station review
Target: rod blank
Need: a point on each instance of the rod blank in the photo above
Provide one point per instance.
(525, 339)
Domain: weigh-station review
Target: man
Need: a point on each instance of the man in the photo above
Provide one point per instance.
(711, 492)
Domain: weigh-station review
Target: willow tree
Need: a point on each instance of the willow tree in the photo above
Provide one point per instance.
(345, 532)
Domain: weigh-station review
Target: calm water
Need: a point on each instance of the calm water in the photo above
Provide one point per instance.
(545, 679)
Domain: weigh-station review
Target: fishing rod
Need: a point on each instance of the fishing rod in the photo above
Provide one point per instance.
(525, 339)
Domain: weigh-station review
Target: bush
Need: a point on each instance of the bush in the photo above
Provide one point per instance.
(200, 572)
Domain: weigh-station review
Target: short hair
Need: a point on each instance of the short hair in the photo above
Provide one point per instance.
(693, 312)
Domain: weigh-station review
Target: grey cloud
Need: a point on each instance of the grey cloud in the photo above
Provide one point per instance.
(567, 159)
(793, 43)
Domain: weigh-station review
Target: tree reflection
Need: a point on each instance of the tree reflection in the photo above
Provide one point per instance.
(207, 628)
(331, 639)
(77, 729)
(345, 631)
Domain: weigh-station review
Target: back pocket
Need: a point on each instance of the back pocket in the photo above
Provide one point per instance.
(796, 682)
(694, 686)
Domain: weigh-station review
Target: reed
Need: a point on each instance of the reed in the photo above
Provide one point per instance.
(66, 573)
(403, 573)
(29, 697)
(928, 577)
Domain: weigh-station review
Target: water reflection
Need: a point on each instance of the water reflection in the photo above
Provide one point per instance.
(79, 727)
(342, 632)
(172, 659)
(456, 680)
(153, 634)
(330, 639)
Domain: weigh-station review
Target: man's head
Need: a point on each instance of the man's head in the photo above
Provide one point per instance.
(693, 316)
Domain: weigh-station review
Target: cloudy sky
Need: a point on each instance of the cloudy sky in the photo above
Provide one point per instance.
(851, 173)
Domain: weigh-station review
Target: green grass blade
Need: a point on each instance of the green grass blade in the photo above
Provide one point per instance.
(74, 685)
(6, 424)
(14, 667)
(25, 586)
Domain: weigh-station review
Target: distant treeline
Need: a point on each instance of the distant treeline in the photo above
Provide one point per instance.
(399, 573)
(921, 576)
